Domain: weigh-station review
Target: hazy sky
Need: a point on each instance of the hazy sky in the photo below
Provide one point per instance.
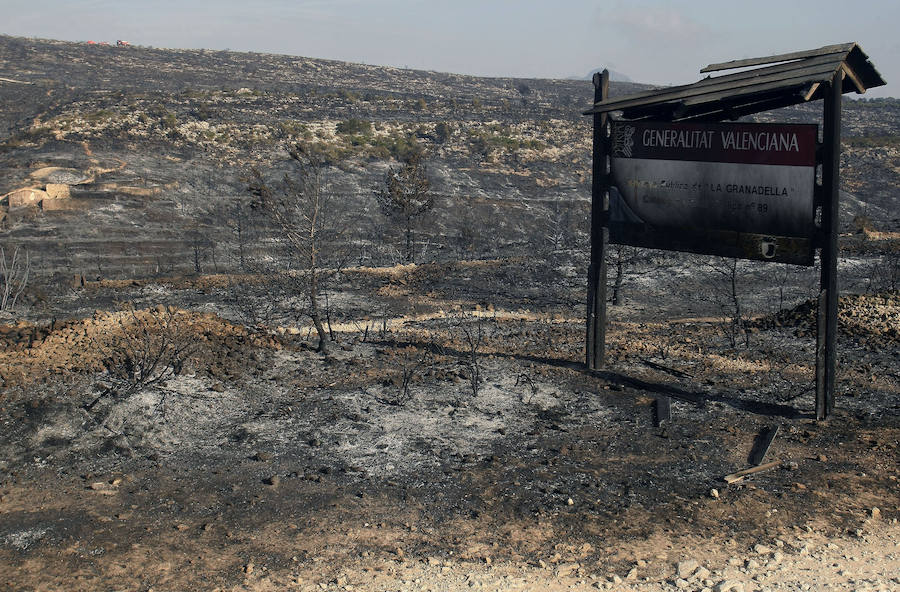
(649, 40)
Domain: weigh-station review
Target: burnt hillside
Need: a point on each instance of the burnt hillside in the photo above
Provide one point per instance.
(154, 144)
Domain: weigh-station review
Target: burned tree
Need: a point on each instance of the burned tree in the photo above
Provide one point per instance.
(300, 208)
(624, 260)
(722, 282)
(200, 242)
(405, 195)
(14, 274)
(237, 219)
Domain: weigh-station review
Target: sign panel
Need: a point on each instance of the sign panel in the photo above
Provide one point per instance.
(686, 184)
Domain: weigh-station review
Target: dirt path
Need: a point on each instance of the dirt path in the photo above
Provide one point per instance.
(168, 530)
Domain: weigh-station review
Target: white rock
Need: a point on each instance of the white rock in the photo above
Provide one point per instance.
(686, 568)
(729, 586)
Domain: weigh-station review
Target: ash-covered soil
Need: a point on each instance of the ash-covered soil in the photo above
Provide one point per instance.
(265, 465)
(166, 422)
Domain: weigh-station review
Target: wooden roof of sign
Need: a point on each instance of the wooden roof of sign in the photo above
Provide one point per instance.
(759, 84)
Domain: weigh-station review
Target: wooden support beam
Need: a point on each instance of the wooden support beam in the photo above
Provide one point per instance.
(811, 91)
(857, 83)
(826, 338)
(710, 92)
(762, 444)
(821, 309)
(595, 350)
(662, 411)
(784, 57)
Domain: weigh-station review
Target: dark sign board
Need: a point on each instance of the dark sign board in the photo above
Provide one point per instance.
(733, 189)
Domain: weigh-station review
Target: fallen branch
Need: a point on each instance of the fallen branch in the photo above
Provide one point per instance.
(739, 476)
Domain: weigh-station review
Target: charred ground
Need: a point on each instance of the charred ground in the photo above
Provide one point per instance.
(452, 439)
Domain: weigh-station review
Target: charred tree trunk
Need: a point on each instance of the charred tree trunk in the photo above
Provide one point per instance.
(314, 312)
(409, 241)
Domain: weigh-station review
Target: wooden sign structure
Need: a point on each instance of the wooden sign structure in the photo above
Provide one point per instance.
(669, 174)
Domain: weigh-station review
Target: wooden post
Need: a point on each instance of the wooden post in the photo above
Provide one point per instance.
(826, 334)
(595, 350)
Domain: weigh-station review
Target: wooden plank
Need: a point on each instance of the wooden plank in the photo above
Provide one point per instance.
(739, 476)
(719, 111)
(784, 69)
(741, 103)
(730, 78)
(797, 251)
(761, 445)
(595, 342)
(857, 83)
(831, 145)
(753, 87)
(662, 411)
(784, 57)
(590, 336)
(649, 94)
(745, 86)
(859, 62)
(861, 75)
(821, 399)
(811, 91)
(600, 309)
(725, 110)
(820, 357)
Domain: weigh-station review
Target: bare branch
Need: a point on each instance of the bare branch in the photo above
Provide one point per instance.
(300, 208)
(14, 275)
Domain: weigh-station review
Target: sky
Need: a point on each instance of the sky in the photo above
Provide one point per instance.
(650, 41)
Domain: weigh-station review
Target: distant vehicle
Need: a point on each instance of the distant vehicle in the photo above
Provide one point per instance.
(122, 43)
(92, 43)
(104, 43)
